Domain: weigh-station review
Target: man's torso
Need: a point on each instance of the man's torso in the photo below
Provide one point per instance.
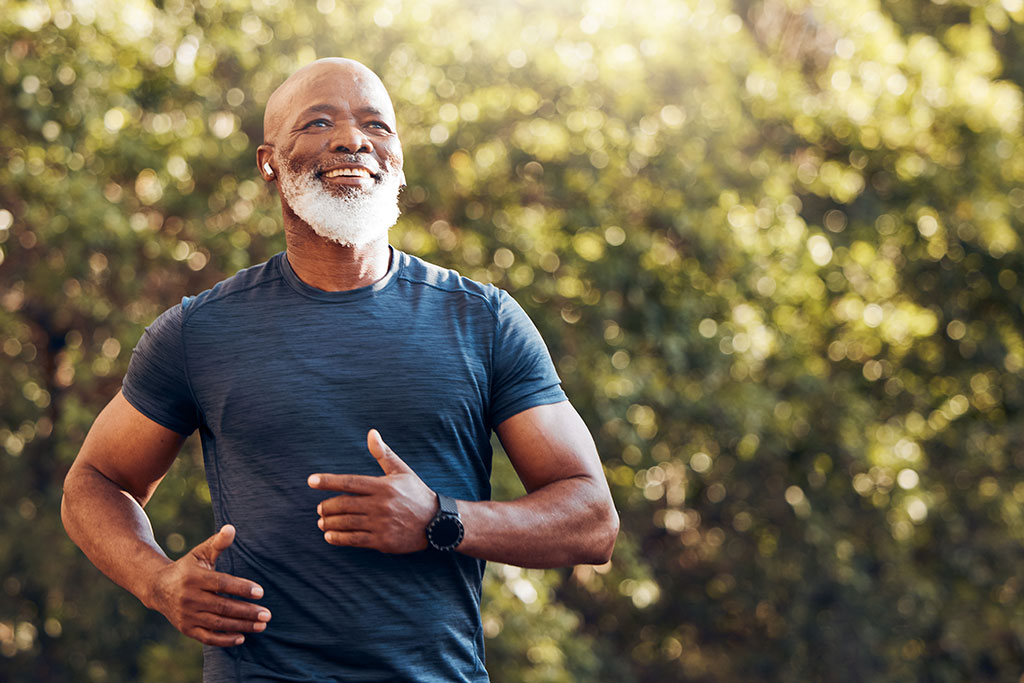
(286, 381)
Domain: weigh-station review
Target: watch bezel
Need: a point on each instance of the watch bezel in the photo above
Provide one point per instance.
(438, 526)
(446, 523)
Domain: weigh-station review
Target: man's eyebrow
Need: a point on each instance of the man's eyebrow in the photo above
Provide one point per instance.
(330, 109)
(325, 108)
(372, 111)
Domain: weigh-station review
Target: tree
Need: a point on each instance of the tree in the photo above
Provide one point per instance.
(774, 249)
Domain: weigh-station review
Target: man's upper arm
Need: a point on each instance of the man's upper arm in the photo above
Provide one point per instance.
(129, 448)
(548, 443)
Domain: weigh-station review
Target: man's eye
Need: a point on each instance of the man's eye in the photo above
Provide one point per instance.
(378, 124)
(319, 123)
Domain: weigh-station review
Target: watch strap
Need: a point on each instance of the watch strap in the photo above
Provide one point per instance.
(447, 504)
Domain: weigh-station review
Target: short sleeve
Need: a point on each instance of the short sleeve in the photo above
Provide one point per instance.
(523, 374)
(156, 383)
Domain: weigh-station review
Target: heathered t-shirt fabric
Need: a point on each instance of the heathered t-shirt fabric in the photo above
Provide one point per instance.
(283, 380)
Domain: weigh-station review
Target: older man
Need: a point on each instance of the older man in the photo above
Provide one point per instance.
(339, 556)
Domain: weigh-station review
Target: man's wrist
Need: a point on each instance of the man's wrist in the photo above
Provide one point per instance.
(148, 587)
(445, 531)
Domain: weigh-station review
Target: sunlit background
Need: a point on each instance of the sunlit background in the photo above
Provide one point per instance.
(774, 248)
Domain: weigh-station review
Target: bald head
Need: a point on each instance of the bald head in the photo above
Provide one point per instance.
(319, 77)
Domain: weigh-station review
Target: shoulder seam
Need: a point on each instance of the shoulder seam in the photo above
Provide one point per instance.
(487, 301)
(224, 295)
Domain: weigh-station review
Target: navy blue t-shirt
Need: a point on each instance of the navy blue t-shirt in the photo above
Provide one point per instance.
(283, 380)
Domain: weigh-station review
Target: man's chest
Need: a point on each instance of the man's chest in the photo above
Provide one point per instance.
(324, 377)
(281, 403)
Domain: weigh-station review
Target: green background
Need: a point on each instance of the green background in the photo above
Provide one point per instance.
(774, 248)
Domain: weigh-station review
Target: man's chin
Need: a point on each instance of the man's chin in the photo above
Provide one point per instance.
(352, 222)
(346, 187)
(349, 214)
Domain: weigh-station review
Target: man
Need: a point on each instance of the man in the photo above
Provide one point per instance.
(345, 394)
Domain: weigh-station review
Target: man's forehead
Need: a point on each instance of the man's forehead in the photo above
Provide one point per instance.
(358, 90)
(327, 83)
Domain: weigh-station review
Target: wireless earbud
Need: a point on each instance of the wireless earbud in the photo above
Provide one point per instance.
(266, 167)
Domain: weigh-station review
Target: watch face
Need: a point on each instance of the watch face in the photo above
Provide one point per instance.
(445, 532)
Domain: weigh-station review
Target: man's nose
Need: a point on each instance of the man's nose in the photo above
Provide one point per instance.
(350, 139)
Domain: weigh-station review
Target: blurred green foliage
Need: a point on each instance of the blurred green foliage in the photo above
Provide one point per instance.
(774, 247)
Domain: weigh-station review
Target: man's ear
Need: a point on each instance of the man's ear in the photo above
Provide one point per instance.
(265, 162)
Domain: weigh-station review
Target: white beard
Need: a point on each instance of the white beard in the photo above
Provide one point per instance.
(352, 220)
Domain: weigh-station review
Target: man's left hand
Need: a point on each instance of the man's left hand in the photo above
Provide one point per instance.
(388, 513)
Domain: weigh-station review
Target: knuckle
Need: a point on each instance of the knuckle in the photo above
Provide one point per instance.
(180, 602)
(221, 624)
(224, 608)
(200, 555)
(191, 580)
(209, 639)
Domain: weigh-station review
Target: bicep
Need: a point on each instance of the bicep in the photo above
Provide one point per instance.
(548, 443)
(128, 448)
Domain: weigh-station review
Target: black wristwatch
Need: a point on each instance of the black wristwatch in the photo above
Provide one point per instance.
(445, 530)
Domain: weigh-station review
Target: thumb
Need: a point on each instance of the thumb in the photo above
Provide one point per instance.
(209, 550)
(386, 458)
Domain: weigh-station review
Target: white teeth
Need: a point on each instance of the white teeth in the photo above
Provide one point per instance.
(350, 172)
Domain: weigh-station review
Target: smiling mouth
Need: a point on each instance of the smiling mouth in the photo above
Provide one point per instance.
(348, 173)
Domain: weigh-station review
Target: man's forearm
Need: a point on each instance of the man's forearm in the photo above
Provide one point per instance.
(112, 530)
(566, 522)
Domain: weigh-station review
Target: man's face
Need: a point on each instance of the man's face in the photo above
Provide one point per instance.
(339, 160)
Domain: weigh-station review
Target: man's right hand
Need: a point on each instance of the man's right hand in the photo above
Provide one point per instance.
(190, 593)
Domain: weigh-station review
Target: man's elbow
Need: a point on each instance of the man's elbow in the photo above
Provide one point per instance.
(69, 499)
(83, 486)
(604, 532)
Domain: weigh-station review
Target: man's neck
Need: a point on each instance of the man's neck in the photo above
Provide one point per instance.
(332, 267)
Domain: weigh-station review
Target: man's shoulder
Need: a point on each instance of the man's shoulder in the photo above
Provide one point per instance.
(245, 280)
(438, 278)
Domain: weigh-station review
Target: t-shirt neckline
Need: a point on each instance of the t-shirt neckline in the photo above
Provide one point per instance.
(307, 290)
